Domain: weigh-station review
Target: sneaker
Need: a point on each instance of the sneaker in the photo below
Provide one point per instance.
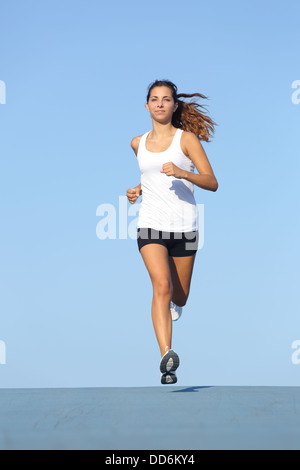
(168, 378)
(169, 362)
(175, 311)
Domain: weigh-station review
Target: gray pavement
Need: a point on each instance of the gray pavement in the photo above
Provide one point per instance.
(151, 418)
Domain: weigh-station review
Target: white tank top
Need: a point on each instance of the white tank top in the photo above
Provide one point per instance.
(168, 203)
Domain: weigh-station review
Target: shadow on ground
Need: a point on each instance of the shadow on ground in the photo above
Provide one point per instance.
(190, 389)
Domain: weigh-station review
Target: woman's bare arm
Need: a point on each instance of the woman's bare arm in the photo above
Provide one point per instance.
(193, 149)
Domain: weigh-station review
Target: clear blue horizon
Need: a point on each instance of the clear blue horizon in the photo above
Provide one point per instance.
(75, 309)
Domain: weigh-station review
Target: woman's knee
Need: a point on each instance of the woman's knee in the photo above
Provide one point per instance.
(163, 288)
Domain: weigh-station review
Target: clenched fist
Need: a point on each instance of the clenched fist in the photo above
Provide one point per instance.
(172, 170)
(133, 194)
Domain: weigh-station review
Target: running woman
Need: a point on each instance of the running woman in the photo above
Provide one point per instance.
(168, 220)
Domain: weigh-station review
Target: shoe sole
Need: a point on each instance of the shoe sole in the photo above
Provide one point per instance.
(169, 362)
(168, 378)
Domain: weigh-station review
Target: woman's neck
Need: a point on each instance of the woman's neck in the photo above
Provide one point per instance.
(160, 130)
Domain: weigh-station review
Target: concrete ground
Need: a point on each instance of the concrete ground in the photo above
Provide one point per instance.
(151, 418)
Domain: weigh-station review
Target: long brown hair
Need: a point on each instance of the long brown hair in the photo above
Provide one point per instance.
(189, 116)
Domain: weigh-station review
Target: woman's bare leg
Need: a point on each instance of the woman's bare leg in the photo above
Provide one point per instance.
(156, 260)
(181, 269)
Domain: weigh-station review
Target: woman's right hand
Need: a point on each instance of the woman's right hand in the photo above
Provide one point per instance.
(133, 194)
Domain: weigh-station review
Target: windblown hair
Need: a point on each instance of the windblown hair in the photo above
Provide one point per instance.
(189, 116)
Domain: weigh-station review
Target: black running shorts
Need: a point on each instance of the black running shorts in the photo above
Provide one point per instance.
(177, 243)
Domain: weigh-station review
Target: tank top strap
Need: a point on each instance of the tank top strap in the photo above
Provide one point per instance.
(142, 144)
(143, 140)
(177, 139)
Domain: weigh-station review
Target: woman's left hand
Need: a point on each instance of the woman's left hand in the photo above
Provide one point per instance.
(172, 170)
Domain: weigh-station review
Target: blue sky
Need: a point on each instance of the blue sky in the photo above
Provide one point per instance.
(74, 309)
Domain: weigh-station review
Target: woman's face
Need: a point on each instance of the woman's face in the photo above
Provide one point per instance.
(161, 105)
